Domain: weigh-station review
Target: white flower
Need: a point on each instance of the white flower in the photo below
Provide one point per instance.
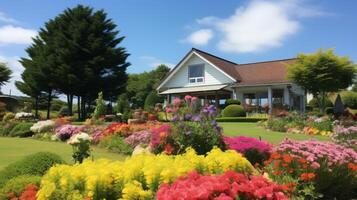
(77, 138)
(43, 126)
(140, 150)
(21, 115)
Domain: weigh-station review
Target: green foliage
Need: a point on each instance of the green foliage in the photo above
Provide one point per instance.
(329, 110)
(139, 86)
(116, 144)
(22, 129)
(255, 156)
(322, 72)
(151, 100)
(5, 74)
(36, 164)
(234, 111)
(232, 101)
(349, 99)
(57, 104)
(201, 136)
(8, 116)
(240, 119)
(6, 128)
(122, 106)
(17, 184)
(100, 107)
(315, 104)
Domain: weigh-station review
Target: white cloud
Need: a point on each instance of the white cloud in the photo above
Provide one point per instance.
(200, 37)
(260, 25)
(6, 19)
(13, 63)
(10, 34)
(154, 62)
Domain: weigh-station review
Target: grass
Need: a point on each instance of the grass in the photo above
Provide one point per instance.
(253, 130)
(13, 149)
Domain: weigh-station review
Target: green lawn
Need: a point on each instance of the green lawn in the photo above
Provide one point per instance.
(252, 130)
(13, 149)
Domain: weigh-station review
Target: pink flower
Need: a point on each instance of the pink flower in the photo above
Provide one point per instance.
(177, 102)
(188, 97)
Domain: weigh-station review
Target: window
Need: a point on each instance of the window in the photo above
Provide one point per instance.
(196, 73)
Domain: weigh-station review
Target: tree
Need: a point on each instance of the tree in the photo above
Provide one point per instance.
(5, 74)
(321, 73)
(151, 100)
(100, 107)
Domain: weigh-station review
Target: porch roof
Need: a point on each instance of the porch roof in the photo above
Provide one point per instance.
(193, 89)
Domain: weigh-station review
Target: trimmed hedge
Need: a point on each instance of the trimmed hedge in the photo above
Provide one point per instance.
(232, 102)
(240, 119)
(234, 111)
(36, 164)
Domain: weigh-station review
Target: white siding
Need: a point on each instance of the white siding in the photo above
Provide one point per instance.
(212, 75)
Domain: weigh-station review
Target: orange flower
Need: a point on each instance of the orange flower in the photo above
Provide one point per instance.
(287, 158)
(275, 156)
(277, 164)
(168, 149)
(302, 160)
(352, 166)
(307, 176)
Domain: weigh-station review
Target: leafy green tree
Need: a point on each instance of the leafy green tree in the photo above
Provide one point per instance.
(100, 107)
(151, 100)
(321, 73)
(5, 74)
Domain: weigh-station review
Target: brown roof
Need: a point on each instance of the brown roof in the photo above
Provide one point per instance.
(267, 72)
(225, 65)
(263, 72)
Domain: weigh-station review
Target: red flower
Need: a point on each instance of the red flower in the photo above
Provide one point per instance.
(307, 176)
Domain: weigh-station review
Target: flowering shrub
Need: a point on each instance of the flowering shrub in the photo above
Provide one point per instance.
(43, 126)
(162, 139)
(81, 146)
(23, 115)
(63, 120)
(194, 127)
(229, 186)
(346, 136)
(64, 132)
(254, 150)
(329, 167)
(138, 177)
(140, 137)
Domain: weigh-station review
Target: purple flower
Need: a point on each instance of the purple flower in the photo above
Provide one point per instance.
(196, 118)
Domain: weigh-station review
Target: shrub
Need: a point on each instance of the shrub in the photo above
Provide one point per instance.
(137, 177)
(22, 130)
(7, 127)
(230, 185)
(64, 132)
(63, 111)
(254, 150)
(8, 116)
(43, 126)
(36, 164)
(18, 184)
(151, 100)
(116, 144)
(349, 99)
(234, 111)
(100, 107)
(232, 101)
(329, 110)
(314, 103)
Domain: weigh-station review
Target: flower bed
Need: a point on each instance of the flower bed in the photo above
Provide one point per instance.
(138, 177)
(346, 136)
(229, 186)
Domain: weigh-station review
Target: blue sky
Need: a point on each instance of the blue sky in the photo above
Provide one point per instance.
(161, 31)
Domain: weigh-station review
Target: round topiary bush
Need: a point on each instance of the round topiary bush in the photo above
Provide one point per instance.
(22, 130)
(234, 111)
(36, 164)
(232, 101)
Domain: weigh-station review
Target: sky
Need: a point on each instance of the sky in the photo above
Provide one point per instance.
(162, 32)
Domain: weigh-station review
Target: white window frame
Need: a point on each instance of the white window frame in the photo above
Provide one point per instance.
(195, 79)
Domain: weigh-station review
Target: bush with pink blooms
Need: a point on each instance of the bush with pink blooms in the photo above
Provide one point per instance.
(229, 186)
(346, 136)
(256, 151)
(139, 138)
(66, 131)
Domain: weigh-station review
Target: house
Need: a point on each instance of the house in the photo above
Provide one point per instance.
(211, 78)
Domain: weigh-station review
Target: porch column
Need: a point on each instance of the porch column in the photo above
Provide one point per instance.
(286, 96)
(270, 99)
(234, 93)
(216, 100)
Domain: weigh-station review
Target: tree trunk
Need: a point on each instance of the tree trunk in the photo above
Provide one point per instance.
(49, 103)
(36, 107)
(79, 107)
(83, 108)
(70, 104)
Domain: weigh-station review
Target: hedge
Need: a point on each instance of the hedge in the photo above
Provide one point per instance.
(240, 119)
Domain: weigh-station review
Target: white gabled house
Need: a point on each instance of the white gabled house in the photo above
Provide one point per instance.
(211, 78)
